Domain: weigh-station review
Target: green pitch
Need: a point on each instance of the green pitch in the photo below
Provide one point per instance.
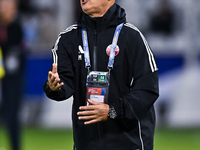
(40, 139)
(61, 139)
(177, 139)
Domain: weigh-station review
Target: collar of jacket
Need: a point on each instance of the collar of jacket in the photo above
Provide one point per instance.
(114, 16)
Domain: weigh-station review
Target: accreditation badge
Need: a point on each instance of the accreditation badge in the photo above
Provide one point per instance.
(97, 86)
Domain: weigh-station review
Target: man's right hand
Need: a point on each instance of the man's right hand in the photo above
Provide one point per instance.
(53, 79)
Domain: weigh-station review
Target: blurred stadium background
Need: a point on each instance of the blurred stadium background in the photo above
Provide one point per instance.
(172, 29)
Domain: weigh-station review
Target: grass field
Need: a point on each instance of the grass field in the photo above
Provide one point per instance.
(61, 139)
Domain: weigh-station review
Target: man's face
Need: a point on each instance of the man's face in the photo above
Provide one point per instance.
(8, 10)
(95, 8)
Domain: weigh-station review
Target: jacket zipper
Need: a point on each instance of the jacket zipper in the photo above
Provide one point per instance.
(95, 51)
(95, 69)
(99, 132)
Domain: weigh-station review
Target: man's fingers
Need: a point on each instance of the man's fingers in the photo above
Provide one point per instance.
(55, 81)
(60, 85)
(89, 107)
(91, 121)
(49, 74)
(93, 105)
(87, 117)
(51, 77)
(86, 113)
(54, 68)
(93, 102)
(57, 87)
(54, 84)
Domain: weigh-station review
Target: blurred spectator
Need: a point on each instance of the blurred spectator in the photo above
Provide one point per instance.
(77, 10)
(2, 74)
(47, 28)
(2, 71)
(11, 42)
(162, 20)
(28, 15)
(38, 23)
(25, 6)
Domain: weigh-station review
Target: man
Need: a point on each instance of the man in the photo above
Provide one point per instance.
(118, 113)
(11, 42)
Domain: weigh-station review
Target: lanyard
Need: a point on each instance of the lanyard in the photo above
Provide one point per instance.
(112, 51)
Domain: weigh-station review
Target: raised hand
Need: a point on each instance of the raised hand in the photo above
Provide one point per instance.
(53, 79)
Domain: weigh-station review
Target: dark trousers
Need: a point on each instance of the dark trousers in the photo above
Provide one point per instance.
(11, 102)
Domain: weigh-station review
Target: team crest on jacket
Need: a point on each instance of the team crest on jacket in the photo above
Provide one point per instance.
(109, 48)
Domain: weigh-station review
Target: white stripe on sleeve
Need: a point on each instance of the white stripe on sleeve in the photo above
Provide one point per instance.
(55, 48)
(152, 61)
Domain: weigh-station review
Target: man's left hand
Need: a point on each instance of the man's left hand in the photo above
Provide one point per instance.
(94, 112)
